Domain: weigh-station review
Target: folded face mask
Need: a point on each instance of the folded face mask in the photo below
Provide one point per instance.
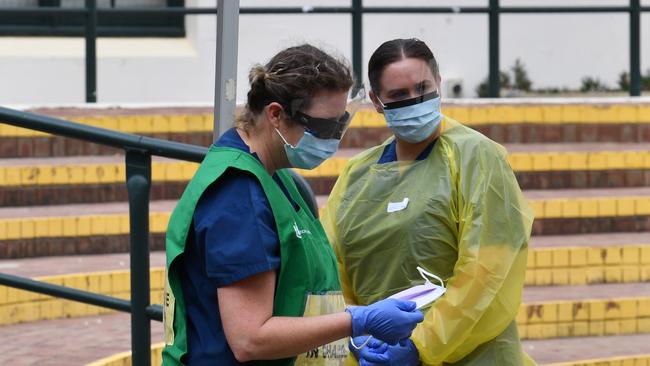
(423, 294)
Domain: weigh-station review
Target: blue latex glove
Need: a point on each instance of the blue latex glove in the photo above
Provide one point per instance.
(389, 320)
(377, 353)
(372, 350)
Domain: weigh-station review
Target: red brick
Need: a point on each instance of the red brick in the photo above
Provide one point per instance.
(42, 146)
(58, 146)
(8, 147)
(25, 146)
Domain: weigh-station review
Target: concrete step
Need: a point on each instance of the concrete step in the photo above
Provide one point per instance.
(78, 341)
(75, 229)
(552, 260)
(505, 122)
(547, 311)
(601, 349)
(583, 211)
(580, 311)
(88, 179)
(103, 227)
(588, 259)
(571, 259)
(64, 265)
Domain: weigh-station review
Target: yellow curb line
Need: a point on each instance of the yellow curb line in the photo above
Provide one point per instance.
(367, 117)
(581, 318)
(588, 265)
(537, 320)
(124, 358)
(104, 173)
(118, 224)
(17, 306)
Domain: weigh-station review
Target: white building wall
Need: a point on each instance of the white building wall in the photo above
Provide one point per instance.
(558, 50)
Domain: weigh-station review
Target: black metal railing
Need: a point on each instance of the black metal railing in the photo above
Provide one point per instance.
(138, 152)
(357, 10)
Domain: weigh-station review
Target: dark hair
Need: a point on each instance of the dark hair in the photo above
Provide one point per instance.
(395, 50)
(292, 78)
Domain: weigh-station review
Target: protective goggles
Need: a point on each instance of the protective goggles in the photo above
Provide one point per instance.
(325, 128)
(411, 101)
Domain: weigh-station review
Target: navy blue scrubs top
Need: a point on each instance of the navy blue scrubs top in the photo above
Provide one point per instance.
(232, 237)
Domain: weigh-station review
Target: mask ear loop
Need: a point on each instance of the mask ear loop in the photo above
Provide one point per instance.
(362, 345)
(426, 274)
(283, 139)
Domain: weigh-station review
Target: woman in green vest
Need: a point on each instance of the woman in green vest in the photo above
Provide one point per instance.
(251, 277)
(436, 198)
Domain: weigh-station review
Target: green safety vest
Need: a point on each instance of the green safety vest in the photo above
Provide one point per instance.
(307, 280)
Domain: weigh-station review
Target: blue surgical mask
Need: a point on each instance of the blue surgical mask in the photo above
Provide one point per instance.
(414, 120)
(310, 151)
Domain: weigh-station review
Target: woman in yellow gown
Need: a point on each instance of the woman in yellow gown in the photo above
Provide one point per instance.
(437, 195)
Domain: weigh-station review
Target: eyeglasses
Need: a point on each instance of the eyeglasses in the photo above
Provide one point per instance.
(323, 128)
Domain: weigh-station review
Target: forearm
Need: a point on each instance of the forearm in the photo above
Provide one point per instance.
(281, 337)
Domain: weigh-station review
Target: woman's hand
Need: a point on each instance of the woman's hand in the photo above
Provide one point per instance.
(377, 353)
(389, 320)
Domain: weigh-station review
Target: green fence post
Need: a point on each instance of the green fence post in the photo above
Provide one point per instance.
(493, 34)
(357, 42)
(138, 182)
(635, 47)
(91, 51)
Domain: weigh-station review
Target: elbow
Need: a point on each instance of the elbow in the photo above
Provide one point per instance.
(242, 356)
(244, 350)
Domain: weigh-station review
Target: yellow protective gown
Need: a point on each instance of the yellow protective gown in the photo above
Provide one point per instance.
(465, 220)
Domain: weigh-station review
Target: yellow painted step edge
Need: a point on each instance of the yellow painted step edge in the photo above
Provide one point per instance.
(183, 171)
(139, 124)
(590, 317)
(367, 117)
(118, 224)
(124, 358)
(536, 320)
(588, 265)
(17, 306)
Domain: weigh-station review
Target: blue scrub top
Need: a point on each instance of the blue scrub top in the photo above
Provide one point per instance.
(389, 154)
(232, 237)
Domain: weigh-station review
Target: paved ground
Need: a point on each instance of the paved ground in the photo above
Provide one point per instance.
(80, 209)
(68, 342)
(600, 291)
(49, 266)
(567, 349)
(590, 240)
(71, 342)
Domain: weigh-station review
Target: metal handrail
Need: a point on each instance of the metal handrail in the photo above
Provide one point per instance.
(139, 150)
(68, 293)
(61, 127)
(356, 10)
